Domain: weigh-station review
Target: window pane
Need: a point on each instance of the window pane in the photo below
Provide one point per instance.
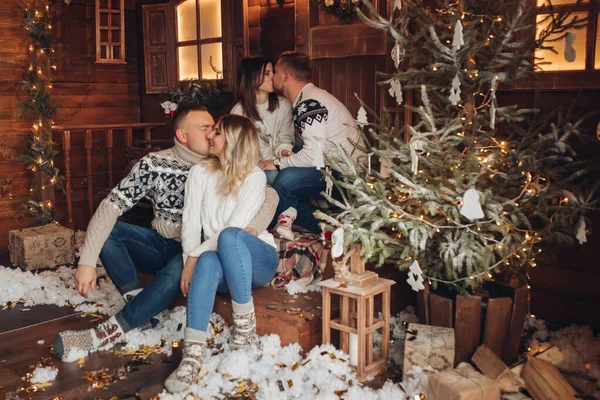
(188, 62)
(210, 19)
(597, 57)
(186, 21)
(541, 3)
(569, 58)
(212, 53)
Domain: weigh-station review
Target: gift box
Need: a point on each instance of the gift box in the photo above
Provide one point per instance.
(41, 246)
(426, 345)
(462, 383)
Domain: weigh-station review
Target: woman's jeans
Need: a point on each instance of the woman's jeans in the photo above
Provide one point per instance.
(242, 262)
(130, 247)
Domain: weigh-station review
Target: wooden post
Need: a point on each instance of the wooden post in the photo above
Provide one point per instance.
(344, 320)
(497, 320)
(441, 311)
(128, 137)
(513, 339)
(109, 149)
(147, 137)
(66, 145)
(326, 317)
(467, 327)
(370, 312)
(88, 156)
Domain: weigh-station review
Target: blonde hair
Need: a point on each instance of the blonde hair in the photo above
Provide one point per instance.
(240, 152)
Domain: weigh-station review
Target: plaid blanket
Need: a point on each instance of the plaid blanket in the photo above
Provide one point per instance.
(303, 259)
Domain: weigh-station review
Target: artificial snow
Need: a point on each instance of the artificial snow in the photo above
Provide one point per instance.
(296, 286)
(44, 374)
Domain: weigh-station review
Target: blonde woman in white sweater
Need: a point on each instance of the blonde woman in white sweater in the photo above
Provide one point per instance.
(271, 114)
(230, 188)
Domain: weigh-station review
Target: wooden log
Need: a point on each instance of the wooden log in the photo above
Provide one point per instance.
(467, 327)
(545, 382)
(517, 319)
(497, 320)
(492, 366)
(441, 311)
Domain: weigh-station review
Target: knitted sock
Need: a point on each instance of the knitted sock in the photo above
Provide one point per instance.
(191, 362)
(106, 333)
(244, 323)
(285, 221)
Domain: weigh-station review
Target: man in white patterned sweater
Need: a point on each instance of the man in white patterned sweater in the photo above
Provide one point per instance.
(325, 126)
(124, 248)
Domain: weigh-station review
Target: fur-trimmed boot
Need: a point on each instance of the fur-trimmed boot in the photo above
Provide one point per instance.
(104, 334)
(191, 362)
(244, 323)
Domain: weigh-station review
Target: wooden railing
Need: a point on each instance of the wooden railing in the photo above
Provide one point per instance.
(109, 130)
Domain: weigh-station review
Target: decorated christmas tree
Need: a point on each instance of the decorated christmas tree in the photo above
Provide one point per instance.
(480, 186)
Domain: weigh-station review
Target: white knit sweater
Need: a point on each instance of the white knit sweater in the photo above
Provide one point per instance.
(275, 131)
(207, 210)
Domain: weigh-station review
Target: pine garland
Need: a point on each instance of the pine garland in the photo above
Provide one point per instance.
(532, 187)
(343, 9)
(39, 108)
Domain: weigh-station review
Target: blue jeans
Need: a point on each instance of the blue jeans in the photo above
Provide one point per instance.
(129, 247)
(271, 175)
(242, 262)
(295, 187)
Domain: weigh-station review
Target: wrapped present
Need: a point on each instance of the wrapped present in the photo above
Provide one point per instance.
(428, 346)
(462, 383)
(41, 246)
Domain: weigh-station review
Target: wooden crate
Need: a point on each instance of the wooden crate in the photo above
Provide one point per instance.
(499, 327)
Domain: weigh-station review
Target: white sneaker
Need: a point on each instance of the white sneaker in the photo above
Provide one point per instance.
(285, 221)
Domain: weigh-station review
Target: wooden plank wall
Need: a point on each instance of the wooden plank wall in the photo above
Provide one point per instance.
(90, 93)
(564, 285)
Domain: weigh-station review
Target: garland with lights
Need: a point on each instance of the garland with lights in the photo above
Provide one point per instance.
(480, 187)
(39, 108)
(343, 9)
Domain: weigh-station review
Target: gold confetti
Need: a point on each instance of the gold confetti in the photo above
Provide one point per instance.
(290, 383)
(294, 366)
(342, 286)
(332, 356)
(340, 393)
(306, 362)
(175, 343)
(308, 297)
(316, 387)
(280, 384)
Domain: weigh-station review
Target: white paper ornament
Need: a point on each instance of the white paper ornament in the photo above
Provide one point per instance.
(455, 91)
(395, 90)
(328, 183)
(397, 54)
(570, 52)
(415, 277)
(397, 4)
(361, 118)
(471, 207)
(458, 40)
(318, 159)
(416, 148)
(581, 236)
(337, 243)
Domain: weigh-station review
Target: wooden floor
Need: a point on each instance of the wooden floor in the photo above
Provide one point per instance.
(20, 352)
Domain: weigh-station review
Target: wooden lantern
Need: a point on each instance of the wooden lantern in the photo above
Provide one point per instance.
(357, 289)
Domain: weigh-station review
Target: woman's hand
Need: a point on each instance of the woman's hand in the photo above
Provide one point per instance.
(267, 165)
(251, 230)
(186, 274)
(286, 153)
(85, 278)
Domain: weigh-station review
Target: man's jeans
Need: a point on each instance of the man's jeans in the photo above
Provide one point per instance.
(242, 262)
(130, 247)
(295, 187)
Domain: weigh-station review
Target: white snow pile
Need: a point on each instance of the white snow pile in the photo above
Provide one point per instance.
(44, 374)
(298, 286)
(57, 287)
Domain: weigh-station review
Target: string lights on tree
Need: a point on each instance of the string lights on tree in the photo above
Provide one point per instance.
(39, 108)
(479, 187)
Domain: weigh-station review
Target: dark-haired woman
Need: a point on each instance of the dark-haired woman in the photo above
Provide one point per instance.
(271, 114)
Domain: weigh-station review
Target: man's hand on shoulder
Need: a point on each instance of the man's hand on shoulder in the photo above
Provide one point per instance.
(85, 277)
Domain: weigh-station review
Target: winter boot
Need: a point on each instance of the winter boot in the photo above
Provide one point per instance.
(284, 224)
(104, 334)
(191, 362)
(244, 323)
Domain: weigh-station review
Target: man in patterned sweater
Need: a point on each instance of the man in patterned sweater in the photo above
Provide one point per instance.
(325, 126)
(123, 248)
